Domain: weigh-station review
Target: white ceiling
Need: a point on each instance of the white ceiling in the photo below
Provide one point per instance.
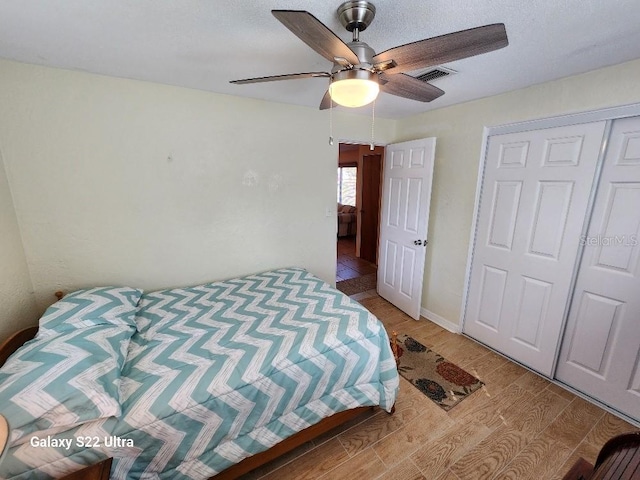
(204, 44)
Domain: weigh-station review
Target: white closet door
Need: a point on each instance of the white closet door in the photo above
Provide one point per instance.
(601, 348)
(532, 210)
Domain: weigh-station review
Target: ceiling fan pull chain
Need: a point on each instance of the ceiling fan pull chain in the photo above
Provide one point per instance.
(373, 121)
(331, 117)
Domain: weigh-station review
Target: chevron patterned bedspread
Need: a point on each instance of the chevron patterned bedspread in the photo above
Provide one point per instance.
(222, 371)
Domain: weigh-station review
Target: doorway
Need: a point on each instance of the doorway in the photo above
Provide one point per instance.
(359, 194)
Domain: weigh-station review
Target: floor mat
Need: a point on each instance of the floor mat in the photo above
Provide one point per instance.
(442, 381)
(357, 285)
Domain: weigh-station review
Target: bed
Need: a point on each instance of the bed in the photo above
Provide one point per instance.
(200, 382)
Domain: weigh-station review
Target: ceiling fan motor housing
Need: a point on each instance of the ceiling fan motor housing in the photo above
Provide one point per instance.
(356, 73)
(365, 57)
(356, 14)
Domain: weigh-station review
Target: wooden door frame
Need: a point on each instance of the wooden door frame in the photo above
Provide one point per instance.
(364, 146)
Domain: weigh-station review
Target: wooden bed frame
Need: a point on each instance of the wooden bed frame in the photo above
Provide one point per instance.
(245, 466)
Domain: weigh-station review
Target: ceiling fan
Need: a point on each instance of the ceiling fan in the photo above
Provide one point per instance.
(358, 73)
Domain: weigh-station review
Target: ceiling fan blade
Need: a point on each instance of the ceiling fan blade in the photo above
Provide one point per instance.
(409, 87)
(445, 48)
(315, 34)
(326, 101)
(288, 76)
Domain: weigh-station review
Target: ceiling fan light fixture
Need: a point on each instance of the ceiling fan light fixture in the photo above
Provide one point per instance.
(354, 88)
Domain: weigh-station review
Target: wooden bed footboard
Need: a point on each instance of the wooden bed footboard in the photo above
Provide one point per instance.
(255, 461)
(15, 341)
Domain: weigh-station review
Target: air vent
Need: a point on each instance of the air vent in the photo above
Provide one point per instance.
(434, 73)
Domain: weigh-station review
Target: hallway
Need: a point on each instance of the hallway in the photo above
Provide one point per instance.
(349, 266)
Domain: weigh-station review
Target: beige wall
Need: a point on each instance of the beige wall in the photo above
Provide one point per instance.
(459, 137)
(123, 182)
(119, 181)
(17, 303)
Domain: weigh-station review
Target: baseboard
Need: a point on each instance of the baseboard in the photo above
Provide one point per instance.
(441, 321)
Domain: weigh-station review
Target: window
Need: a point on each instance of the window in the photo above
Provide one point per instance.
(347, 185)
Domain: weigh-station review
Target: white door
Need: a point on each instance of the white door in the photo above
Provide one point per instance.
(532, 210)
(406, 195)
(601, 348)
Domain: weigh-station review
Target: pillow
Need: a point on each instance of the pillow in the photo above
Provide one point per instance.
(63, 380)
(91, 307)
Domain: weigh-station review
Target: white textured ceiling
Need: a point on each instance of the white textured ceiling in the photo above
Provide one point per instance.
(204, 44)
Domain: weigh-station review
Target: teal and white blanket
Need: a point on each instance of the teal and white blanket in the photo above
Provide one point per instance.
(222, 371)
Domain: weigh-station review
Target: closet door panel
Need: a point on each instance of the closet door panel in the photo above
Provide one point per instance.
(535, 192)
(600, 354)
(590, 344)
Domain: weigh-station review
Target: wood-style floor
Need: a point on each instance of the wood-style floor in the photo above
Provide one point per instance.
(518, 426)
(349, 266)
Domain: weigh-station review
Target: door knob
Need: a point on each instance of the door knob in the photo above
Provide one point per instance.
(417, 242)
